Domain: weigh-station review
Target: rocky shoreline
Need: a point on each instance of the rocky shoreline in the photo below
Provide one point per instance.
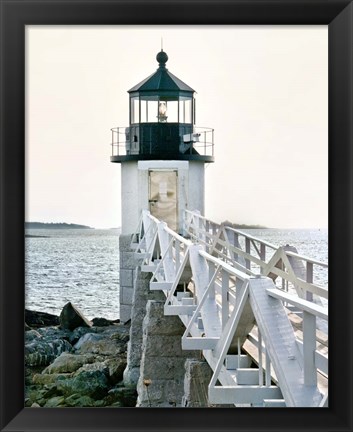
(73, 362)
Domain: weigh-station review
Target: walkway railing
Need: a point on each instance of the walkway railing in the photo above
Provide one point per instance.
(220, 282)
(256, 256)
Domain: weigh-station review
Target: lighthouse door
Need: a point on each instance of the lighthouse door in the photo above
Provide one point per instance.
(163, 196)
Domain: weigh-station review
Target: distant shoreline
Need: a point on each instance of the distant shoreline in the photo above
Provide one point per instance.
(54, 225)
(243, 226)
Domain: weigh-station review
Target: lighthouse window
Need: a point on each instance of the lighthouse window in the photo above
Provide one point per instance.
(159, 109)
(170, 110)
(162, 111)
(152, 111)
(187, 111)
(135, 110)
(144, 111)
(181, 111)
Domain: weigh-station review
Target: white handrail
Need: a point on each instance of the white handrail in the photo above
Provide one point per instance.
(216, 239)
(216, 296)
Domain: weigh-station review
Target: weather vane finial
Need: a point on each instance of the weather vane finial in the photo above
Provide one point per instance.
(161, 44)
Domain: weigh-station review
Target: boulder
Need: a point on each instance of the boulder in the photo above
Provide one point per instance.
(46, 379)
(86, 383)
(40, 352)
(35, 395)
(67, 363)
(98, 366)
(102, 322)
(71, 317)
(40, 319)
(50, 333)
(123, 396)
(99, 344)
(116, 367)
(77, 400)
(57, 401)
(121, 336)
(32, 335)
(88, 338)
(76, 334)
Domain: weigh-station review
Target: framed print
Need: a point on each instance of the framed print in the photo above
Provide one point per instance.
(212, 315)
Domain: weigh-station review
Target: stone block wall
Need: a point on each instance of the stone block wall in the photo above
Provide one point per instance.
(140, 297)
(161, 381)
(174, 377)
(127, 275)
(198, 375)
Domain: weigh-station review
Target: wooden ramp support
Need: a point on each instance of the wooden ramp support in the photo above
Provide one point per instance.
(224, 301)
(279, 338)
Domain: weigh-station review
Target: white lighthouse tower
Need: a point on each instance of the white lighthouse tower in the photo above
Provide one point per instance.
(162, 155)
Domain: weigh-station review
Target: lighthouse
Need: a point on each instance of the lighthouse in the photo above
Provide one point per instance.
(162, 155)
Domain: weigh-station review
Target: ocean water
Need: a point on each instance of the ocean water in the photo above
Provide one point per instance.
(82, 266)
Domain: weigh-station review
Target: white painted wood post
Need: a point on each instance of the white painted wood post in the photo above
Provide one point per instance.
(200, 228)
(262, 255)
(177, 255)
(148, 230)
(168, 263)
(309, 347)
(247, 250)
(211, 270)
(268, 370)
(309, 278)
(207, 237)
(261, 373)
(170, 239)
(186, 222)
(225, 304)
(236, 244)
(239, 352)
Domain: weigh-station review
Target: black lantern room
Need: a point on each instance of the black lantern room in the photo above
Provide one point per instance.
(162, 122)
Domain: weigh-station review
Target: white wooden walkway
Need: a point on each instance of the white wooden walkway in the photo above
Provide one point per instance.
(238, 298)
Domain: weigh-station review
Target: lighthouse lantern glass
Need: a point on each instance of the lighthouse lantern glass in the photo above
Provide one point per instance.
(168, 110)
(144, 111)
(161, 109)
(134, 110)
(185, 110)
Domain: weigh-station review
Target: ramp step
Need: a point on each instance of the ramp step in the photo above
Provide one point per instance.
(236, 361)
(187, 301)
(274, 403)
(198, 343)
(247, 376)
(280, 340)
(243, 394)
(160, 286)
(182, 294)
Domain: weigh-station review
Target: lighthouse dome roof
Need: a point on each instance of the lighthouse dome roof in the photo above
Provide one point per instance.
(162, 80)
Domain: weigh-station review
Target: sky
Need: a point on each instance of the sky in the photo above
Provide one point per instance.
(264, 90)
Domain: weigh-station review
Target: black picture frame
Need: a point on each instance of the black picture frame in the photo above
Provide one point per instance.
(15, 15)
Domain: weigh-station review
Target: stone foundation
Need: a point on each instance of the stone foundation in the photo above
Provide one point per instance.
(155, 360)
(161, 381)
(198, 375)
(141, 295)
(127, 274)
